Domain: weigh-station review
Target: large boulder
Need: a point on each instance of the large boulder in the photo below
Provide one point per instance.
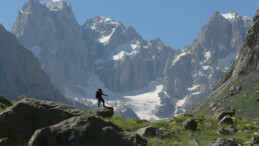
(189, 125)
(223, 111)
(155, 132)
(85, 130)
(255, 139)
(235, 89)
(224, 131)
(224, 142)
(226, 120)
(19, 122)
(105, 112)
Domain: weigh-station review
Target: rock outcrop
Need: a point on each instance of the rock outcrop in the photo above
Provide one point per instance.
(83, 130)
(224, 142)
(20, 121)
(154, 132)
(106, 112)
(224, 111)
(255, 139)
(37, 122)
(189, 125)
(226, 120)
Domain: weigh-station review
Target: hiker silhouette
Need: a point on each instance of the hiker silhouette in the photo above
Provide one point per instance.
(99, 95)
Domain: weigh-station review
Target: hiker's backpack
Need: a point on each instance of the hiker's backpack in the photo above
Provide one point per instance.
(97, 94)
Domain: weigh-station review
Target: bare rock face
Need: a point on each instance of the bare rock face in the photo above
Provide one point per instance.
(20, 121)
(85, 130)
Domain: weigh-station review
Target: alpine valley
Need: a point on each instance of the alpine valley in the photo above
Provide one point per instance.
(143, 78)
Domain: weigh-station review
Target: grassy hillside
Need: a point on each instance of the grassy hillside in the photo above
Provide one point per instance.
(244, 101)
(205, 133)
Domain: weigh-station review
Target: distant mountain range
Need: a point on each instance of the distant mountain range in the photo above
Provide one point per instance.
(142, 75)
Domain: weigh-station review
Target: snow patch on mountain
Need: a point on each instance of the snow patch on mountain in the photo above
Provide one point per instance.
(146, 103)
(207, 55)
(106, 39)
(230, 15)
(179, 105)
(194, 87)
(179, 57)
(126, 49)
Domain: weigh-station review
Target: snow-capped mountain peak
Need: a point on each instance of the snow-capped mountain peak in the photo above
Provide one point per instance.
(101, 23)
(230, 16)
(233, 15)
(56, 5)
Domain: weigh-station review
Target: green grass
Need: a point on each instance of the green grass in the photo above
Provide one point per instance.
(204, 134)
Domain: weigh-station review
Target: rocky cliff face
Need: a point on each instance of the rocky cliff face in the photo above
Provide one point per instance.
(124, 61)
(21, 73)
(239, 85)
(193, 74)
(248, 60)
(102, 46)
(52, 33)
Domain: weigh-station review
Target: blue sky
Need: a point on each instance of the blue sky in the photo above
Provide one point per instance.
(176, 22)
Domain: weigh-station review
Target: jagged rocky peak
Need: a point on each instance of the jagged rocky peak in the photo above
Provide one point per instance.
(32, 2)
(57, 5)
(101, 23)
(106, 28)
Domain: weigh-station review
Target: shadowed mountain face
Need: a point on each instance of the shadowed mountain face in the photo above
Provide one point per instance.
(21, 73)
(239, 85)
